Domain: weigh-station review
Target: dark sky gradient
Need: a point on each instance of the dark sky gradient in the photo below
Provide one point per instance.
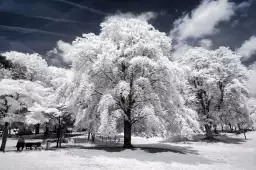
(51, 20)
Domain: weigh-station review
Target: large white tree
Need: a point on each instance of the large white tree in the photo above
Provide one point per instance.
(124, 74)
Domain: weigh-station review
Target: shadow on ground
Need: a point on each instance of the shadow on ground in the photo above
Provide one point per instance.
(149, 148)
(163, 153)
(222, 138)
(142, 152)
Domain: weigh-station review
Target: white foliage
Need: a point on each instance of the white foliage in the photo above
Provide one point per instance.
(211, 74)
(122, 89)
(31, 95)
(35, 65)
(125, 73)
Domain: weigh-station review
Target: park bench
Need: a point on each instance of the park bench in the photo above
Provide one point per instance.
(31, 145)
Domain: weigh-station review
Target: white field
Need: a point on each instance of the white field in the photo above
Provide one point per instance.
(233, 154)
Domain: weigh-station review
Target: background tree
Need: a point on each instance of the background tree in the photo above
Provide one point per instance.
(61, 118)
(210, 72)
(236, 98)
(5, 67)
(17, 97)
(11, 109)
(33, 65)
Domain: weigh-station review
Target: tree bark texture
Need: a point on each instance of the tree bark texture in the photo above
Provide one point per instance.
(37, 128)
(4, 137)
(208, 130)
(127, 134)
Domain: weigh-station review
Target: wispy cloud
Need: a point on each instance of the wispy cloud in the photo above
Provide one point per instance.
(19, 46)
(2, 37)
(43, 17)
(248, 48)
(252, 79)
(63, 50)
(206, 43)
(244, 4)
(203, 19)
(83, 7)
(55, 19)
(30, 30)
(145, 16)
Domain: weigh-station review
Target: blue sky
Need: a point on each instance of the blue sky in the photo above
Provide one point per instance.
(36, 25)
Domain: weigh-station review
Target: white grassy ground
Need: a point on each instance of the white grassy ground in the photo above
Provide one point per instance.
(231, 155)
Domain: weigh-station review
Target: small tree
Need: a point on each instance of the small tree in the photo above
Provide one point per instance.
(11, 110)
(36, 117)
(19, 96)
(61, 117)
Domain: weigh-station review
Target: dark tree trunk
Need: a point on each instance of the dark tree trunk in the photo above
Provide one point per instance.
(59, 135)
(37, 128)
(46, 133)
(231, 130)
(222, 129)
(239, 128)
(93, 138)
(208, 130)
(244, 134)
(9, 134)
(215, 129)
(5, 135)
(60, 138)
(89, 135)
(127, 134)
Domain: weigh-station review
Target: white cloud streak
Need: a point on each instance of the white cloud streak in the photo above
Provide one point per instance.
(248, 48)
(83, 7)
(55, 19)
(30, 30)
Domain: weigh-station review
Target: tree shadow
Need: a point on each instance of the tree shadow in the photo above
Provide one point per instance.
(24, 150)
(161, 147)
(142, 152)
(117, 147)
(153, 153)
(149, 148)
(100, 148)
(221, 138)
